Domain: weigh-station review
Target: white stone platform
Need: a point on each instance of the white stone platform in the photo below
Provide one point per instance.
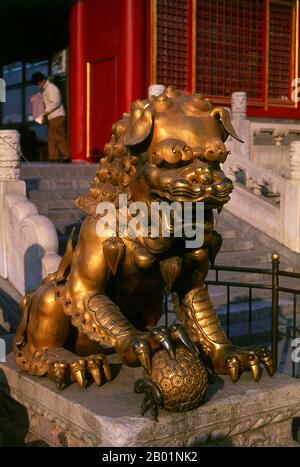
(242, 414)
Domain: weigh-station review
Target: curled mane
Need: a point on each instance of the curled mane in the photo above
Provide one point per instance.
(117, 168)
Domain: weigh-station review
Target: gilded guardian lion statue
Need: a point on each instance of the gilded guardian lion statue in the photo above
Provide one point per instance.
(107, 294)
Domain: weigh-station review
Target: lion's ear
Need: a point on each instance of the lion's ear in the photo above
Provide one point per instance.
(139, 128)
(222, 116)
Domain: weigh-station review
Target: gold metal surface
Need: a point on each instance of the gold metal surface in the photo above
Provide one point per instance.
(108, 292)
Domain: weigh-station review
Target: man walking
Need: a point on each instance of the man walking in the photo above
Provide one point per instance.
(58, 148)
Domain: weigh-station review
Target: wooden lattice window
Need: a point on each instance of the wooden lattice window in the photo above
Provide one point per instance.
(230, 47)
(172, 42)
(281, 53)
(217, 47)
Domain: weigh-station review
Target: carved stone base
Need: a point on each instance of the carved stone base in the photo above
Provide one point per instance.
(242, 414)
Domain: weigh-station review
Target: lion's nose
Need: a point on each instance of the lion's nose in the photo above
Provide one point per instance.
(201, 176)
(215, 150)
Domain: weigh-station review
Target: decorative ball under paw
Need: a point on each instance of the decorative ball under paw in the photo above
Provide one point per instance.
(182, 381)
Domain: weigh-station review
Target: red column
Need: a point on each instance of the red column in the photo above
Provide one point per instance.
(77, 81)
(133, 63)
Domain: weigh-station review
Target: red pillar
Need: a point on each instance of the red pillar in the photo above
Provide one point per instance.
(133, 60)
(78, 81)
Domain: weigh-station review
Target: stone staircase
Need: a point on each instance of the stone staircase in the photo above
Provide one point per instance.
(54, 187)
(245, 246)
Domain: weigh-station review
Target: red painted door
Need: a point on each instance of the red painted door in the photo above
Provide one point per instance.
(102, 104)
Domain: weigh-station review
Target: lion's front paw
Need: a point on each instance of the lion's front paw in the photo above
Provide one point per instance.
(228, 359)
(163, 337)
(65, 368)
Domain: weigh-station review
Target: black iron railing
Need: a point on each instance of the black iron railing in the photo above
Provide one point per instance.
(274, 287)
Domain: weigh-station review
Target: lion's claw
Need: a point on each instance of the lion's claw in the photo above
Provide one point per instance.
(153, 398)
(256, 370)
(179, 334)
(163, 337)
(58, 371)
(78, 372)
(142, 350)
(95, 364)
(265, 357)
(233, 368)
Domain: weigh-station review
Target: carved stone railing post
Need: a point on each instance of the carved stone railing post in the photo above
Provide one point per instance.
(28, 241)
(10, 152)
(239, 105)
(240, 124)
(294, 162)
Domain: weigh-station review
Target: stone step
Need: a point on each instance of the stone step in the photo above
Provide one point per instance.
(241, 276)
(53, 170)
(36, 195)
(62, 217)
(259, 332)
(243, 258)
(58, 183)
(47, 206)
(234, 244)
(229, 233)
(261, 310)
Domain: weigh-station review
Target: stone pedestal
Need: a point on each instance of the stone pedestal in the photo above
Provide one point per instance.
(242, 414)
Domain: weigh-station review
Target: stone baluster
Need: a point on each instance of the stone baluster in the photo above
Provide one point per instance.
(249, 182)
(275, 193)
(294, 162)
(239, 105)
(279, 135)
(258, 186)
(10, 152)
(234, 171)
